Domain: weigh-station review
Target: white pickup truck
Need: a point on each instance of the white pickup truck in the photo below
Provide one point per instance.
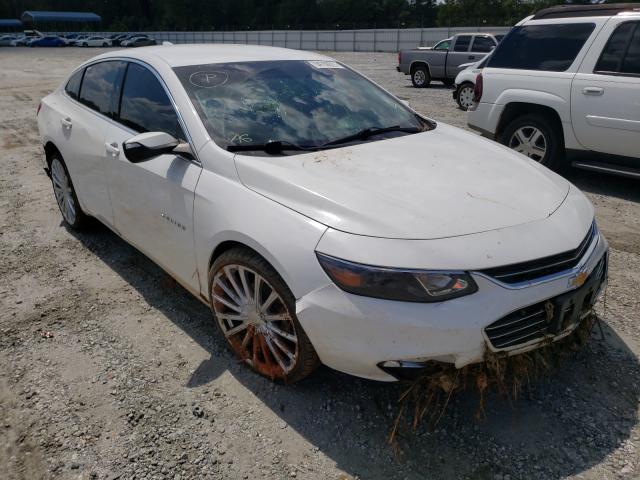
(567, 79)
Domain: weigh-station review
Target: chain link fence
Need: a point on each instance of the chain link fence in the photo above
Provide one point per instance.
(366, 40)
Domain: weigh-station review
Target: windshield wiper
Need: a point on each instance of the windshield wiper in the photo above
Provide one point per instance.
(273, 147)
(370, 132)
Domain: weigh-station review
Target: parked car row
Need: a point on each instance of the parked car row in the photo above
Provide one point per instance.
(37, 39)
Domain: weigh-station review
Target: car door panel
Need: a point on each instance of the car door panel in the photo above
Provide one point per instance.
(605, 98)
(458, 54)
(153, 199)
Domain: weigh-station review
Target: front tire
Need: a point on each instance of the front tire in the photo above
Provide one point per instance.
(66, 195)
(464, 97)
(420, 77)
(255, 311)
(536, 136)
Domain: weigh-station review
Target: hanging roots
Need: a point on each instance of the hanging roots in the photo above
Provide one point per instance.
(427, 397)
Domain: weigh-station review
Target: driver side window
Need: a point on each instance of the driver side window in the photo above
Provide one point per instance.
(443, 45)
(145, 106)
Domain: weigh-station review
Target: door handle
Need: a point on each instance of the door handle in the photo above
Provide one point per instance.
(596, 91)
(112, 148)
(66, 123)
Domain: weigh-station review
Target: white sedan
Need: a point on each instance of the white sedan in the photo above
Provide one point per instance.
(93, 42)
(321, 219)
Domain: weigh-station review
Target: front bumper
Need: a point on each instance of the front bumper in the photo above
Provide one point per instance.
(356, 334)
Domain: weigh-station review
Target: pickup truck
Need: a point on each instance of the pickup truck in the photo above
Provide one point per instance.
(442, 61)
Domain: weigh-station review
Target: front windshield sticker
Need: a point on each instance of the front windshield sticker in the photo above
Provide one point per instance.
(241, 138)
(208, 79)
(324, 64)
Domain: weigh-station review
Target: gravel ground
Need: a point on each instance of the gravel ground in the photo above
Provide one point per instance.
(110, 370)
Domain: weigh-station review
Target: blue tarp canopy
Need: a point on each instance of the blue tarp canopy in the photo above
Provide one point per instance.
(60, 17)
(10, 23)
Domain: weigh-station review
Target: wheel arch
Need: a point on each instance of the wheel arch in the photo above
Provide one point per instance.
(514, 110)
(419, 63)
(50, 149)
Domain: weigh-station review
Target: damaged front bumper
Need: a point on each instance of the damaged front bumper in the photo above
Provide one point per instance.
(388, 340)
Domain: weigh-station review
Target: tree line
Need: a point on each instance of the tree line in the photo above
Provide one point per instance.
(119, 15)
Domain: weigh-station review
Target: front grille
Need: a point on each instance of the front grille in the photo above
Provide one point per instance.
(541, 267)
(537, 321)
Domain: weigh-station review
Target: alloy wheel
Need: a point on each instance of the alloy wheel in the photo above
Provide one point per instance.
(419, 77)
(255, 320)
(529, 141)
(465, 96)
(63, 191)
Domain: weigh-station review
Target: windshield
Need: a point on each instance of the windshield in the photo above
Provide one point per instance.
(305, 103)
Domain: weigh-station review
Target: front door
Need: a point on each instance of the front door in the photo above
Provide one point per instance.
(605, 97)
(153, 200)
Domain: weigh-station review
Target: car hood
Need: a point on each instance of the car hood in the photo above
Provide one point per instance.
(442, 183)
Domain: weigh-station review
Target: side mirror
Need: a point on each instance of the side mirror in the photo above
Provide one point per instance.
(149, 145)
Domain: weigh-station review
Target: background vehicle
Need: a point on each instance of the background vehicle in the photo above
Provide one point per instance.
(443, 61)
(138, 41)
(95, 42)
(49, 41)
(77, 41)
(5, 40)
(465, 83)
(117, 40)
(567, 80)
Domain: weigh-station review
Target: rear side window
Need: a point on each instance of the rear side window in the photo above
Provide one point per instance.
(73, 85)
(482, 44)
(101, 86)
(631, 63)
(462, 43)
(550, 48)
(145, 106)
(613, 53)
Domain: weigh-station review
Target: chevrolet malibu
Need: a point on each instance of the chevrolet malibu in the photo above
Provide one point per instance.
(320, 218)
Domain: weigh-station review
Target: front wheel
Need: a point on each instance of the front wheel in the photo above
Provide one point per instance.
(105, 44)
(464, 97)
(255, 311)
(537, 137)
(66, 195)
(420, 77)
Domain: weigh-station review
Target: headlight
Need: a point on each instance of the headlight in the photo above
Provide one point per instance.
(397, 284)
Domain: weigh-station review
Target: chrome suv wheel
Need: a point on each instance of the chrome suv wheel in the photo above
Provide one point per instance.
(537, 136)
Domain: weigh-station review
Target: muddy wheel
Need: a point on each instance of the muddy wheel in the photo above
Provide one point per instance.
(66, 195)
(255, 310)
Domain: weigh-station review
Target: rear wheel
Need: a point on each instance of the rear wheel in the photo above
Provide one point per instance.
(255, 310)
(65, 194)
(464, 97)
(420, 77)
(105, 44)
(536, 136)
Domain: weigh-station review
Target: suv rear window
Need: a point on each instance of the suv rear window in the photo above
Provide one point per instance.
(551, 48)
(621, 55)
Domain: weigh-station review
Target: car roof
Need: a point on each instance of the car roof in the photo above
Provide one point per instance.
(194, 54)
(601, 10)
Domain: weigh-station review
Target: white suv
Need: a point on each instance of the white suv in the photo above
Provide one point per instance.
(567, 79)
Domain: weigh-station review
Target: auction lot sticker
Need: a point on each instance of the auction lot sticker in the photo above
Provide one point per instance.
(324, 64)
(208, 79)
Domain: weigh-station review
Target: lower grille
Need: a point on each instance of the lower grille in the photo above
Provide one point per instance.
(549, 317)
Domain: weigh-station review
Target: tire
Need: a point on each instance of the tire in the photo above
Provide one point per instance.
(65, 194)
(420, 77)
(448, 82)
(271, 353)
(105, 44)
(464, 95)
(85, 45)
(529, 133)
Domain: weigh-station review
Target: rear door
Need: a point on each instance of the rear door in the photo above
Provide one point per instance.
(86, 109)
(605, 94)
(153, 200)
(459, 54)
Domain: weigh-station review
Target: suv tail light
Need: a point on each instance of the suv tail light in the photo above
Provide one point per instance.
(477, 89)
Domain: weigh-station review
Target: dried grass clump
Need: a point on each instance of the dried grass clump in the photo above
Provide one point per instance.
(427, 398)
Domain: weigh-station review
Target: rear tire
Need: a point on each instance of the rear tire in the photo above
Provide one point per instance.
(66, 195)
(259, 324)
(538, 137)
(420, 77)
(464, 96)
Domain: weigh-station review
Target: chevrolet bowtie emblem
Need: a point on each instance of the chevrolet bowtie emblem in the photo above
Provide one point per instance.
(578, 280)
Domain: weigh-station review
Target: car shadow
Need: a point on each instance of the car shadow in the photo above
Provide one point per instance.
(604, 184)
(562, 426)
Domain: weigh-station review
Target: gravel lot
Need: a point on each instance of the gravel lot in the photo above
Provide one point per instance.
(135, 382)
